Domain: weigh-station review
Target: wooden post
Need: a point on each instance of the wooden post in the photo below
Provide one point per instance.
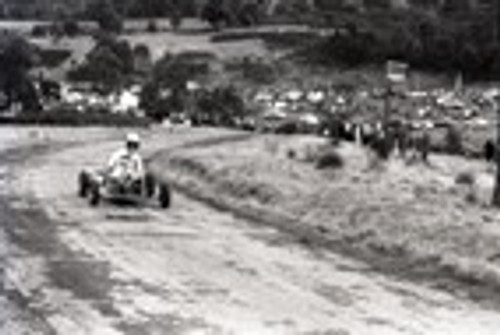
(496, 191)
(387, 108)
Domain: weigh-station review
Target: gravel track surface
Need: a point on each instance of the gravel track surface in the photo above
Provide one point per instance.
(188, 270)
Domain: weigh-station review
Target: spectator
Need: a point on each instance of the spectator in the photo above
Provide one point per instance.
(425, 143)
(489, 150)
(402, 139)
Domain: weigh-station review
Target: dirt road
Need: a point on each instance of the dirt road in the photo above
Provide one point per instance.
(191, 269)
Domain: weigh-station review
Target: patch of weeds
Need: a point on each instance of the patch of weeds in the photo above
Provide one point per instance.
(329, 160)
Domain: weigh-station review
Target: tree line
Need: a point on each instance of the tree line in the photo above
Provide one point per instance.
(426, 42)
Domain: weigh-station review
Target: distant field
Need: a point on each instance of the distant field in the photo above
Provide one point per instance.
(193, 36)
(25, 26)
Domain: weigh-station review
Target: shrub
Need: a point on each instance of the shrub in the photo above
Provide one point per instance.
(329, 159)
(381, 146)
(287, 128)
(468, 180)
(454, 141)
(71, 28)
(54, 57)
(465, 178)
(152, 27)
(40, 30)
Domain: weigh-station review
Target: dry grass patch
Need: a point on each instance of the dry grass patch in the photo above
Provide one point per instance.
(414, 213)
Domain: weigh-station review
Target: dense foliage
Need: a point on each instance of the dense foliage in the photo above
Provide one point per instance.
(105, 13)
(221, 106)
(167, 90)
(220, 13)
(108, 65)
(424, 41)
(17, 57)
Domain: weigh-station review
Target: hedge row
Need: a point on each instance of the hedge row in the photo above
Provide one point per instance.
(75, 119)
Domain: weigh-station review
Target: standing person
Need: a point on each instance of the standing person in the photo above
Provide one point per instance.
(402, 139)
(489, 151)
(425, 144)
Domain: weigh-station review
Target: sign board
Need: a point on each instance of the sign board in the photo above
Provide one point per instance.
(397, 72)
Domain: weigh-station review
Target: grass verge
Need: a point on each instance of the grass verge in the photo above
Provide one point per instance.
(413, 221)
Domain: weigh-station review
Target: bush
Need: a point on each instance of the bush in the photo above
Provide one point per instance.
(54, 57)
(71, 28)
(329, 159)
(152, 27)
(454, 141)
(465, 178)
(287, 128)
(40, 30)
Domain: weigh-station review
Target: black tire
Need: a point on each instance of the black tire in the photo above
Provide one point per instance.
(164, 196)
(83, 185)
(150, 185)
(95, 195)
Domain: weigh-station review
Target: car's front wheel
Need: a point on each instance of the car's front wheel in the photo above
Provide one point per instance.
(150, 185)
(164, 196)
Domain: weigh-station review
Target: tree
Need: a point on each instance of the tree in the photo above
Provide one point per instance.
(17, 57)
(106, 15)
(215, 13)
(122, 7)
(167, 89)
(142, 59)
(149, 8)
(221, 106)
(108, 65)
(175, 17)
(249, 14)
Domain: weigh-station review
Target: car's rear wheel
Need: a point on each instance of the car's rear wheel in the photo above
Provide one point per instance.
(150, 185)
(95, 195)
(83, 184)
(164, 196)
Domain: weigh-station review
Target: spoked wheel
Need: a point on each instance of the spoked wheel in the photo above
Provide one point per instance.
(164, 196)
(83, 184)
(95, 195)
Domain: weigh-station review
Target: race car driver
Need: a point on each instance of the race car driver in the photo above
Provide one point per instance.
(126, 164)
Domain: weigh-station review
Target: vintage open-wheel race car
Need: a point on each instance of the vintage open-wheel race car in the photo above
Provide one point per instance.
(99, 185)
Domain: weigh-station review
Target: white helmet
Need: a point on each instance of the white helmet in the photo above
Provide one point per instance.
(133, 138)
